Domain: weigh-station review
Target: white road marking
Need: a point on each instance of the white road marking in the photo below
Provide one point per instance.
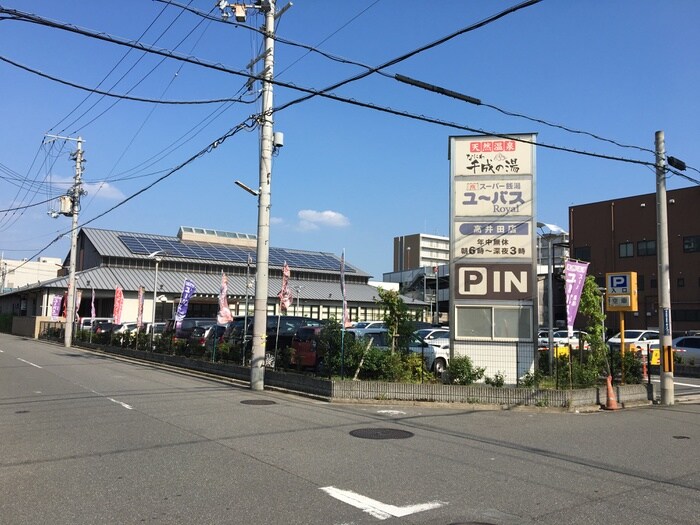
(391, 412)
(678, 383)
(376, 508)
(20, 359)
(2, 351)
(128, 407)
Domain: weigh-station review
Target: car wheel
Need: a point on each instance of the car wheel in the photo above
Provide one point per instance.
(270, 360)
(439, 366)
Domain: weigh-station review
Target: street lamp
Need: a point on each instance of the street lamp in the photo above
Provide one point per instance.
(298, 289)
(553, 232)
(154, 256)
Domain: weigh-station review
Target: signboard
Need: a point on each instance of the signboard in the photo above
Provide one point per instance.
(484, 240)
(493, 156)
(493, 281)
(493, 197)
(492, 244)
(621, 291)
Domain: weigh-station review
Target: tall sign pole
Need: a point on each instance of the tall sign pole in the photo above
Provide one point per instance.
(664, 281)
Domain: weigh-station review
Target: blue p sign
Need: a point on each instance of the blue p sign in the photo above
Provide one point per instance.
(618, 281)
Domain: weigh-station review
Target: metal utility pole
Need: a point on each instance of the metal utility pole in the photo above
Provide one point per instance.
(70, 205)
(664, 281)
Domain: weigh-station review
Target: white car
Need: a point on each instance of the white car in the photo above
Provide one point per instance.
(434, 347)
(641, 339)
(561, 338)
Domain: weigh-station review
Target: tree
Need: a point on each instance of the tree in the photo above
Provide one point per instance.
(397, 319)
(591, 306)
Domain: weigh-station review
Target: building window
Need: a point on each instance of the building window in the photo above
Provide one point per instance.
(680, 282)
(583, 253)
(653, 283)
(691, 244)
(640, 283)
(626, 249)
(646, 248)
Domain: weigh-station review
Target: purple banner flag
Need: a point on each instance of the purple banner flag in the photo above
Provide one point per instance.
(56, 307)
(575, 277)
(187, 292)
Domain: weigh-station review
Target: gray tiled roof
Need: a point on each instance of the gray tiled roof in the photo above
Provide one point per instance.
(107, 278)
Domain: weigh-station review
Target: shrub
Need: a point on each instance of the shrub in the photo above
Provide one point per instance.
(460, 371)
(497, 380)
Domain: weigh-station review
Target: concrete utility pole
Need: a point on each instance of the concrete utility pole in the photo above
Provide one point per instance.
(267, 145)
(664, 281)
(75, 194)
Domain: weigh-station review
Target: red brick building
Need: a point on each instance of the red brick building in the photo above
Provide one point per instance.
(620, 236)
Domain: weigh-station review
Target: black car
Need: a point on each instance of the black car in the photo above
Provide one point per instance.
(280, 331)
(188, 324)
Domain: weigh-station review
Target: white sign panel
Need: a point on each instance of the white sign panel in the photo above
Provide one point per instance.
(492, 156)
(493, 240)
(493, 197)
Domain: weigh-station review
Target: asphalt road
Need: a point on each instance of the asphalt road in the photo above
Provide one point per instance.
(89, 439)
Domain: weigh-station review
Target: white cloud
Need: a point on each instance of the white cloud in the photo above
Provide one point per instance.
(276, 220)
(103, 190)
(313, 220)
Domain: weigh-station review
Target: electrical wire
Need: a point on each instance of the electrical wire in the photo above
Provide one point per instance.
(104, 79)
(248, 124)
(115, 95)
(310, 93)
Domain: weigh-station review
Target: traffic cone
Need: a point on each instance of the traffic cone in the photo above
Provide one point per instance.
(611, 403)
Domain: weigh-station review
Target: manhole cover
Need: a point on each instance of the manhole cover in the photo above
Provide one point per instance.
(381, 433)
(257, 402)
(681, 437)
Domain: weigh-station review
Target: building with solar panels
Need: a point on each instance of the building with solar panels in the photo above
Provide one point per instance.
(108, 259)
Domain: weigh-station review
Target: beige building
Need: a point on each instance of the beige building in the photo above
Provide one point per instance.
(18, 273)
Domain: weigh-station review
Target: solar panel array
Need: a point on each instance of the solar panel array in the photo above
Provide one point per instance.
(235, 254)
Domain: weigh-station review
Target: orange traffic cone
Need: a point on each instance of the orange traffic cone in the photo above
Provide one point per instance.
(611, 403)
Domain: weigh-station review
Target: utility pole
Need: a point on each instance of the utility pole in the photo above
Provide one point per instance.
(257, 365)
(70, 206)
(664, 281)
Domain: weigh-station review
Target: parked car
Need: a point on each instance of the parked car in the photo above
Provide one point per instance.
(280, 331)
(561, 338)
(126, 328)
(188, 324)
(378, 336)
(367, 325)
(88, 323)
(435, 349)
(105, 327)
(688, 349)
(204, 337)
(641, 339)
(156, 328)
(305, 352)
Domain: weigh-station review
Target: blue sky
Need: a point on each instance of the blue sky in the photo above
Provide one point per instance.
(348, 177)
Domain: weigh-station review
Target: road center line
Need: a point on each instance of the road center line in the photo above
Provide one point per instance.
(29, 363)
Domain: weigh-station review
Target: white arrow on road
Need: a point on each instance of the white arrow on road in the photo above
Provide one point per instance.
(376, 508)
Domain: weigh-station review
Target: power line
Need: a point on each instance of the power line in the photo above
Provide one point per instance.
(324, 92)
(249, 123)
(115, 95)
